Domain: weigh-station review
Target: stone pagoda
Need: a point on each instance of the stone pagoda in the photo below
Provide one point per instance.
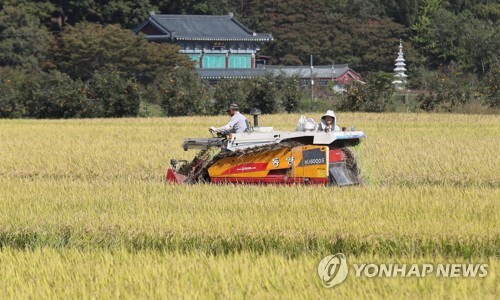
(400, 76)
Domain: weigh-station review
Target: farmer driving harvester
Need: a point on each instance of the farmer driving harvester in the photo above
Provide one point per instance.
(237, 124)
(328, 122)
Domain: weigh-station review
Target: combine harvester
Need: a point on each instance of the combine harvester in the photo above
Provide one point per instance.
(265, 156)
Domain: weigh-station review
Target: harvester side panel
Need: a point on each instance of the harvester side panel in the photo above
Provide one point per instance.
(302, 164)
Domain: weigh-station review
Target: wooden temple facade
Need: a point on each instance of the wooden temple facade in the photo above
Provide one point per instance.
(212, 42)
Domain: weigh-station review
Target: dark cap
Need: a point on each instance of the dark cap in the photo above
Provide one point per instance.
(233, 106)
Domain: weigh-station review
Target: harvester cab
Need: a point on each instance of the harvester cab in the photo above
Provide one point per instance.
(265, 156)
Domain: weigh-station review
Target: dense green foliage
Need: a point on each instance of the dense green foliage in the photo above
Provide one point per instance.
(182, 93)
(23, 40)
(88, 47)
(109, 103)
(55, 95)
(66, 43)
(270, 94)
(230, 91)
(365, 33)
(373, 96)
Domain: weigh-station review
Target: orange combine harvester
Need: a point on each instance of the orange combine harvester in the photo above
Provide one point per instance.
(265, 156)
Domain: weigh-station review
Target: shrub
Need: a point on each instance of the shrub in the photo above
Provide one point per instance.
(270, 94)
(10, 85)
(374, 96)
(264, 95)
(379, 89)
(490, 85)
(182, 93)
(354, 97)
(113, 96)
(229, 91)
(147, 109)
(290, 92)
(445, 92)
(53, 95)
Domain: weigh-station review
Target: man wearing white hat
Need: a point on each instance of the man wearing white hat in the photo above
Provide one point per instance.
(328, 122)
(237, 124)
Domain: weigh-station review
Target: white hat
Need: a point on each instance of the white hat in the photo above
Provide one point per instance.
(329, 113)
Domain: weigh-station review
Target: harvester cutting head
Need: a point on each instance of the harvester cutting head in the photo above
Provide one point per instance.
(265, 156)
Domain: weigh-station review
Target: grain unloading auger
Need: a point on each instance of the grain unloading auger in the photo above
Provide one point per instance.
(265, 156)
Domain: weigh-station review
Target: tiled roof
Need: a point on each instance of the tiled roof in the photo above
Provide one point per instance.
(203, 27)
(305, 71)
(325, 72)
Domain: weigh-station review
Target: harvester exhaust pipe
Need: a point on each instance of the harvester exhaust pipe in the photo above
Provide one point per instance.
(255, 112)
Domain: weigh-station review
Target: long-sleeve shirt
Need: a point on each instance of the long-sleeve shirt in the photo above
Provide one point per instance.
(237, 124)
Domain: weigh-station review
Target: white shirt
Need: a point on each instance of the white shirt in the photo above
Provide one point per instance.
(237, 124)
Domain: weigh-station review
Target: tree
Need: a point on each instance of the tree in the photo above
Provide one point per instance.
(357, 33)
(460, 39)
(379, 91)
(86, 48)
(422, 28)
(487, 11)
(127, 13)
(24, 42)
(354, 98)
(289, 91)
(401, 11)
(11, 82)
(373, 96)
(491, 86)
(113, 96)
(479, 42)
(445, 92)
(162, 58)
(183, 94)
(53, 95)
(264, 95)
(194, 7)
(229, 91)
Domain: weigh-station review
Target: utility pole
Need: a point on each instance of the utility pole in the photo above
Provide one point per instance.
(312, 80)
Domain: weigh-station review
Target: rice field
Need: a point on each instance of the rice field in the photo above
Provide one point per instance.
(86, 212)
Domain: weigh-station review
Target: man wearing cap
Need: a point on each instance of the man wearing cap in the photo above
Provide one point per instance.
(237, 124)
(328, 122)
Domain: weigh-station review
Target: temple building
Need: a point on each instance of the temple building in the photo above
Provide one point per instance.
(222, 47)
(219, 42)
